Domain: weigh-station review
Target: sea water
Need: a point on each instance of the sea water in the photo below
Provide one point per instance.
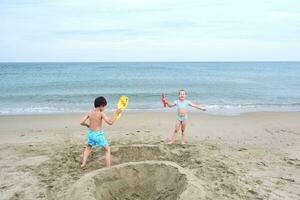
(223, 87)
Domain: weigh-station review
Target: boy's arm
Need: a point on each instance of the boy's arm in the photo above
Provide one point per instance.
(83, 121)
(111, 120)
(170, 105)
(197, 106)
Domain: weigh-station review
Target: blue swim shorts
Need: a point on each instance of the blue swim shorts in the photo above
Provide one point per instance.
(96, 138)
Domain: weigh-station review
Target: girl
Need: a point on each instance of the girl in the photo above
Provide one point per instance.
(181, 117)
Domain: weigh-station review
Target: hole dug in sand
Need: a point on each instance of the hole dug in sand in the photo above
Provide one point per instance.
(138, 180)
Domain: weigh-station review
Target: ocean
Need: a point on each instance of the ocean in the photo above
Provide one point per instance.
(223, 87)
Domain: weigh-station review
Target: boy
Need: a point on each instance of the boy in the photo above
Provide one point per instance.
(95, 134)
(181, 117)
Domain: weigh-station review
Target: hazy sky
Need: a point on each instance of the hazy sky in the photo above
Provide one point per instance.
(149, 30)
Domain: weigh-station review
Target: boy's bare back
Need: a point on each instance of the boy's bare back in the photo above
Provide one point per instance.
(95, 120)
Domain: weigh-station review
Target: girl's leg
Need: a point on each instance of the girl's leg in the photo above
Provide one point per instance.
(86, 153)
(183, 127)
(177, 127)
(107, 156)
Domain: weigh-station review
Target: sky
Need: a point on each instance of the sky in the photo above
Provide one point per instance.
(149, 30)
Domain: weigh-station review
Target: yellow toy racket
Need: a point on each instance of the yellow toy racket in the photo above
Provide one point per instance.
(122, 104)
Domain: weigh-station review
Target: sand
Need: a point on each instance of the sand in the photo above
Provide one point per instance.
(249, 156)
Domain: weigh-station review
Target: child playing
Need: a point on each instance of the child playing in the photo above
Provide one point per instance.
(181, 117)
(95, 134)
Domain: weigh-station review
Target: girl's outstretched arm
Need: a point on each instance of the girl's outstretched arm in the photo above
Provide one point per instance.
(197, 106)
(170, 105)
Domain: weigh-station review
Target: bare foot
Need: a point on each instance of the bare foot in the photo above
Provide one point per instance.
(183, 143)
(83, 165)
(172, 142)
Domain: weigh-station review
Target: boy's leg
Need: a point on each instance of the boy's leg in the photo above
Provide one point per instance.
(107, 156)
(86, 154)
(183, 127)
(177, 127)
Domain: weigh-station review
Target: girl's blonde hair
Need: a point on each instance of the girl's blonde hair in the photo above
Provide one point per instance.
(182, 90)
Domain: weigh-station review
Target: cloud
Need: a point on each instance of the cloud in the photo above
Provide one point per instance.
(103, 32)
(156, 28)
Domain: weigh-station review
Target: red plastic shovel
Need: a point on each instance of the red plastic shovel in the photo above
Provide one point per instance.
(163, 100)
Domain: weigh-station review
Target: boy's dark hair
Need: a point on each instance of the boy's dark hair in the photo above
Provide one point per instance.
(100, 101)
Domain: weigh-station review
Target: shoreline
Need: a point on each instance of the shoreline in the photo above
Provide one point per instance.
(153, 111)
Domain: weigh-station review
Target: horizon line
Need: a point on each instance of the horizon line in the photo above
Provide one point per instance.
(146, 61)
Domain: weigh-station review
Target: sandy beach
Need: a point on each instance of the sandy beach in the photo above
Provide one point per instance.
(248, 156)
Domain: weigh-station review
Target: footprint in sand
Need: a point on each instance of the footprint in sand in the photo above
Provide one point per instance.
(292, 161)
(242, 149)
